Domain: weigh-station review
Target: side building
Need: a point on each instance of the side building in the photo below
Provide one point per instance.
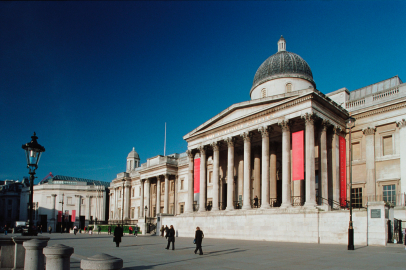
(10, 192)
(63, 202)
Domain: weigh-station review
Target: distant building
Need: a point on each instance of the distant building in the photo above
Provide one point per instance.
(82, 202)
(10, 191)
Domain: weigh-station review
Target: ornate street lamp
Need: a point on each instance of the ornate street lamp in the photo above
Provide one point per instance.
(33, 151)
(350, 123)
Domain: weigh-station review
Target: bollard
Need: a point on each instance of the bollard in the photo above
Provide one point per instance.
(101, 262)
(19, 251)
(7, 252)
(34, 258)
(58, 257)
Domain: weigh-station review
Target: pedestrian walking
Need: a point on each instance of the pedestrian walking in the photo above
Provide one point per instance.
(50, 229)
(136, 231)
(171, 237)
(256, 201)
(99, 230)
(166, 231)
(75, 229)
(85, 229)
(162, 230)
(130, 230)
(199, 235)
(118, 233)
(109, 230)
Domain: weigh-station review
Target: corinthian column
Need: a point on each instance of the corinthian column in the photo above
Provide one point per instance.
(158, 195)
(230, 174)
(147, 197)
(310, 166)
(323, 162)
(336, 164)
(247, 170)
(166, 194)
(265, 168)
(202, 196)
(190, 188)
(216, 162)
(142, 198)
(126, 200)
(286, 191)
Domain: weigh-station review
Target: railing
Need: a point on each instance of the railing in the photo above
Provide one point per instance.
(334, 204)
(385, 94)
(355, 103)
(124, 222)
(297, 200)
(394, 200)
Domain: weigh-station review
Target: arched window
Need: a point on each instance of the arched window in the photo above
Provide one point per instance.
(288, 87)
(263, 93)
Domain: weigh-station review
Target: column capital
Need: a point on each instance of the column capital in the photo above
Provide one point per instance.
(230, 141)
(190, 153)
(337, 130)
(215, 146)
(324, 124)
(158, 177)
(167, 175)
(401, 124)
(146, 180)
(53, 195)
(202, 149)
(77, 196)
(246, 136)
(285, 125)
(265, 131)
(369, 131)
(89, 196)
(309, 118)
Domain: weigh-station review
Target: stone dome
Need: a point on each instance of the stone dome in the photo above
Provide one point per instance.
(283, 64)
(133, 154)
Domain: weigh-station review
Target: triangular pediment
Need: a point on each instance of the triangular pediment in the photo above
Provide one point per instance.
(237, 112)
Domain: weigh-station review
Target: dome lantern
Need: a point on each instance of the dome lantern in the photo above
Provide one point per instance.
(281, 44)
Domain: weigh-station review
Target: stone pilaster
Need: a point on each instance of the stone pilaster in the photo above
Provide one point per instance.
(286, 177)
(402, 149)
(127, 194)
(336, 163)
(247, 170)
(190, 185)
(202, 195)
(310, 162)
(265, 167)
(370, 162)
(230, 173)
(158, 195)
(216, 161)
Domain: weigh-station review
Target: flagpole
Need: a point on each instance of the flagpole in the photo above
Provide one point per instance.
(165, 141)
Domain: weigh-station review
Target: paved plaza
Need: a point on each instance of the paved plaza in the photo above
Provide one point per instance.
(148, 252)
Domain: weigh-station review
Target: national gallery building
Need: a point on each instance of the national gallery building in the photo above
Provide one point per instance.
(277, 167)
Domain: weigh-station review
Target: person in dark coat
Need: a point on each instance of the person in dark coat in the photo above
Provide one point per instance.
(109, 230)
(118, 233)
(199, 238)
(166, 231)
(171, 237)
(256, 201)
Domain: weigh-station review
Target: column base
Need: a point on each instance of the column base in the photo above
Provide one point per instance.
(230, 208)
(266, 206)
(286, 205)
(215, 209)
(246, 207)
(309, 205)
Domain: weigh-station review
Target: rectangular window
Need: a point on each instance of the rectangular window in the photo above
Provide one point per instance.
(356, 151)
(356, 197)
(83, 201)
(132, 192)
(138, 210)
(181, 208)
(69, 200)
(119, 193)
(210, 176)
(140, 192)
(182, 183)
(48, 199)
(132, 212)
(172, 186)
(154, 189)
(171, 209)
(163, 189)
(154, 211)
(387, 145)
(389, 194)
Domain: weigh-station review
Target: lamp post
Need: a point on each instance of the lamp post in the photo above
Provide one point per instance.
(33, 151)
(63, 219)
(145, 216)
(350, 123)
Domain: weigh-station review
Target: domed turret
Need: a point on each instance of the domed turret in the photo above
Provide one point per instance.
(133, 160)
(281, 73)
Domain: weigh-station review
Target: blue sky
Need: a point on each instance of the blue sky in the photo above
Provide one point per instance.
(94, 79)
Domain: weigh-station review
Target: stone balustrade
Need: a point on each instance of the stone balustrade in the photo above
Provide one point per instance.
(34, 257)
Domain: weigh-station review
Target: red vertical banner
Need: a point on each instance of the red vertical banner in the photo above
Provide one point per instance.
(298, 155)
(59, 216)
(196, 176)
(343, 172)
(73, 216)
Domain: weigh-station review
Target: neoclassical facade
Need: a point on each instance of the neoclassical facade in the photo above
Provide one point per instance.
(286, 149)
